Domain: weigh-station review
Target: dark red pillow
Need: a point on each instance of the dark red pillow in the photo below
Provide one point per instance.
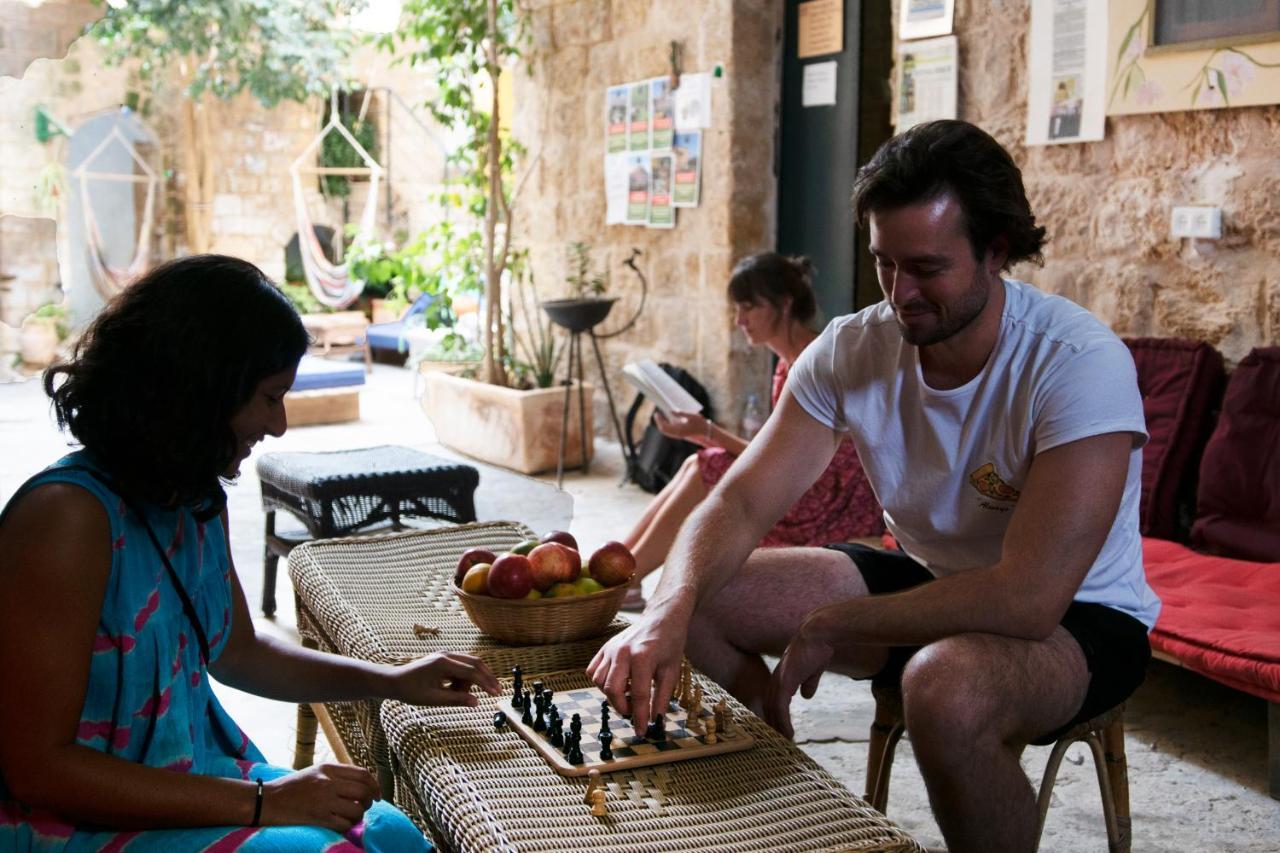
(1238, 501)
(1181, 382)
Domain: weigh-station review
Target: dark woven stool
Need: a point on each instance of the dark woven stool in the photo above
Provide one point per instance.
(348, 491)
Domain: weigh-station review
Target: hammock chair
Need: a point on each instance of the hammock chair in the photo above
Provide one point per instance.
(107, 279)
(329, 282)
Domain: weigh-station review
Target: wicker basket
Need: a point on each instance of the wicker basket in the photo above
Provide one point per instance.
(525, 622)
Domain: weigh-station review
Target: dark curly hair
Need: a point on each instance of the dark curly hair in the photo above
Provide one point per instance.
(771, 277)
(932, 158)
(155, 379)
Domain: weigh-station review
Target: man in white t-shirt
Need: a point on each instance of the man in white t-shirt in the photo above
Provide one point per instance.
(1001, 429)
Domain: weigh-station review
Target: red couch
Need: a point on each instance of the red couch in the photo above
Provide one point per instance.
(1220, 590)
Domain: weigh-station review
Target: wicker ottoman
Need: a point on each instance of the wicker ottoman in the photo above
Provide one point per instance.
(343, 492)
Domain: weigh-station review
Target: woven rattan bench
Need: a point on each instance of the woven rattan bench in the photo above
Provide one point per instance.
(409, 612)
(347, 491)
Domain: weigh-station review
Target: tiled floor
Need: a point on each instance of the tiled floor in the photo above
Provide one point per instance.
(1197, 751)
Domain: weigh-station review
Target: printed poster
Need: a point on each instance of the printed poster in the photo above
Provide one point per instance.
(638, 116)
(615, 119)
(615, 188)
(638, 188)
(693, 102)
(918, 19)
(1068, 74)
(819, 28)
(662, 105)
(662, 213)
(927, 81)
(687, 151)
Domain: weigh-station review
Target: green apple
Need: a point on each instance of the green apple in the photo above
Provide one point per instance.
(563, 590)
(525, 547)
(533, 594)
(586, 586)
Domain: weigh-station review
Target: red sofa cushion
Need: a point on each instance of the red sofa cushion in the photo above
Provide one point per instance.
(1238, 501)
(1181, 382)
(1220, 617)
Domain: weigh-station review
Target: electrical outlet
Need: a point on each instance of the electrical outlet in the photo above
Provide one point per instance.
(1201, 222)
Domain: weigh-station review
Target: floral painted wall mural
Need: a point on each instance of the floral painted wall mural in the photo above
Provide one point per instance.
(1225, 74)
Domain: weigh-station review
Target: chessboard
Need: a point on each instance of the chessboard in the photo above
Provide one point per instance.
(682, 740)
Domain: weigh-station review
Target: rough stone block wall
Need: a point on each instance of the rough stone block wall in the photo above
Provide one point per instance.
(28, 33)
(1107, 204)
(582, 47)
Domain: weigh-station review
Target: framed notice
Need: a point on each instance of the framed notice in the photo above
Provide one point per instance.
(819, 28)
(927, 81)
(687, 151)
(919, 19)
(1067, 80)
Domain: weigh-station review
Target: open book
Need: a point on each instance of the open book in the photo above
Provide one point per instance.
(665, 392)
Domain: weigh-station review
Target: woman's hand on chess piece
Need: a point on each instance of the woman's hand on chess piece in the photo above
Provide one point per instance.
(443, 678)
(333, 796)
(806, 657)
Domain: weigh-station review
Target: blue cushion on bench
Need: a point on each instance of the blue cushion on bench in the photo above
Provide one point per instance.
(316, 373)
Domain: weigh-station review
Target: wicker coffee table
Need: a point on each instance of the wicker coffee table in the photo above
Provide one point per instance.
(347, 491)
(474, 789)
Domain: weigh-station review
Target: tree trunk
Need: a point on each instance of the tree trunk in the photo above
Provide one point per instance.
(494, 370)
(197, 168)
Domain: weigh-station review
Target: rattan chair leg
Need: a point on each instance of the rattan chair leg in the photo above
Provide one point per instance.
(270, 562)
(1118, 777)
(304, 751)
(881, 746)
(1046, 784)
(340, 752)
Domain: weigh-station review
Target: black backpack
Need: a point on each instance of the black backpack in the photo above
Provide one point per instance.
(655, 460)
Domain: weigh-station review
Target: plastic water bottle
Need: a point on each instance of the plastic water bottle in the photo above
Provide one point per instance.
(753, 417)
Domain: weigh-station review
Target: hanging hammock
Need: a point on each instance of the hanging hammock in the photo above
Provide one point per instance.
(107, 279)
(330, 283)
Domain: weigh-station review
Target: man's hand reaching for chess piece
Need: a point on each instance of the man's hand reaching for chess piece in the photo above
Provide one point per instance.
(638, 668)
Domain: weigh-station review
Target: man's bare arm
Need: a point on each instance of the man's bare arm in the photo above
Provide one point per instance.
(788, 455)
(1066, 510)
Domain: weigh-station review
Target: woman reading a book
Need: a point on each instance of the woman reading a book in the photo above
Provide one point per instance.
(773, 302)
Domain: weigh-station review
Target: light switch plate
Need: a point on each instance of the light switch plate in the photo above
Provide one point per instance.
(1200, 222)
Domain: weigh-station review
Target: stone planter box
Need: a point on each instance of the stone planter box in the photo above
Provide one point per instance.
(519, 430)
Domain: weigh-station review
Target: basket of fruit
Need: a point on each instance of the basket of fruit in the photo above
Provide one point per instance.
(542, 591)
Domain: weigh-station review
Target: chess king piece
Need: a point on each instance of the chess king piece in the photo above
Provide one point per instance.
(593, 782)
(598, 807)
(606, 740)
(517, 686)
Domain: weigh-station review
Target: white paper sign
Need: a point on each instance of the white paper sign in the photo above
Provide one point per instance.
(927, 81)
(693, 102)
(615, 188)
(819, 86)
(1067, 81)
(925, 18)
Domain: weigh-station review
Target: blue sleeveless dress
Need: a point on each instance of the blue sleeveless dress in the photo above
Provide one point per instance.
(149, 699)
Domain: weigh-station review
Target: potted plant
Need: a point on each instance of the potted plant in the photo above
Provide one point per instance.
(586, 307)
(42, 331)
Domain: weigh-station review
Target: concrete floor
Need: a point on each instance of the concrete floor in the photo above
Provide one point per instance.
(1197, 750)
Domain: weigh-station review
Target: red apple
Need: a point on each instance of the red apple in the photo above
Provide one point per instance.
(612, 564)
(510, 577)
(564, 538)
(553, 563)
(468, 559)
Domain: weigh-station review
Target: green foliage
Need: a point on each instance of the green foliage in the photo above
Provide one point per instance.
(583, 283)
(56, 314)
(337, 151)
(274, 49)
(535, 352)
(437, 261)
(302, 299)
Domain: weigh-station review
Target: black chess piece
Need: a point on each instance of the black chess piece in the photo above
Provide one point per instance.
(568, 745)
(517, 686)
(606, 738)
(657, 730)
(576, 724)
(574, 755)
(604, 714)
(527, 716)
(537, 688)
(540, 723)
(556, 732)
(499, 720)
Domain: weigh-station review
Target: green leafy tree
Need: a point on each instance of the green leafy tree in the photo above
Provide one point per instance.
(213, 50)
(462, 42)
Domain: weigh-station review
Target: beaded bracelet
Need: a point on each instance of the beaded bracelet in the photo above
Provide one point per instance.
(257, 805)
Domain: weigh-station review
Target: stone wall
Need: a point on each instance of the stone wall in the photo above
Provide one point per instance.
(28, 33)
(1107, 204)
(582, 47)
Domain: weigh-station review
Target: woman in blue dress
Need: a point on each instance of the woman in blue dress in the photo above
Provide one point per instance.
(118, 598)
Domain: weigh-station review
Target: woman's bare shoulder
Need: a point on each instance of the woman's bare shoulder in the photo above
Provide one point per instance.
(54, 527)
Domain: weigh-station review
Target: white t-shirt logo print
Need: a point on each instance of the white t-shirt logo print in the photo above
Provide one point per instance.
(989, 484)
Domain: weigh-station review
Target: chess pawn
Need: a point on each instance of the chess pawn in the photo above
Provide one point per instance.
(593, 782)
(598, 807)
(709, 729)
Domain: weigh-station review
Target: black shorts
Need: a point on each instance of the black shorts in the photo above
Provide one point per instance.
(1115, 644)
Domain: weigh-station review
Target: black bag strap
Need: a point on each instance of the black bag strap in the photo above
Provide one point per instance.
(187, 607)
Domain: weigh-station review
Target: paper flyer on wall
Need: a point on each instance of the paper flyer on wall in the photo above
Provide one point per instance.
(615, 189)
(637, 188)
(927, 81)
(615, 119)
(662, 213)
(918, 19)
(693, 102)
(638, 117)
(662, 111)
(1067, 80)
(687, 149)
